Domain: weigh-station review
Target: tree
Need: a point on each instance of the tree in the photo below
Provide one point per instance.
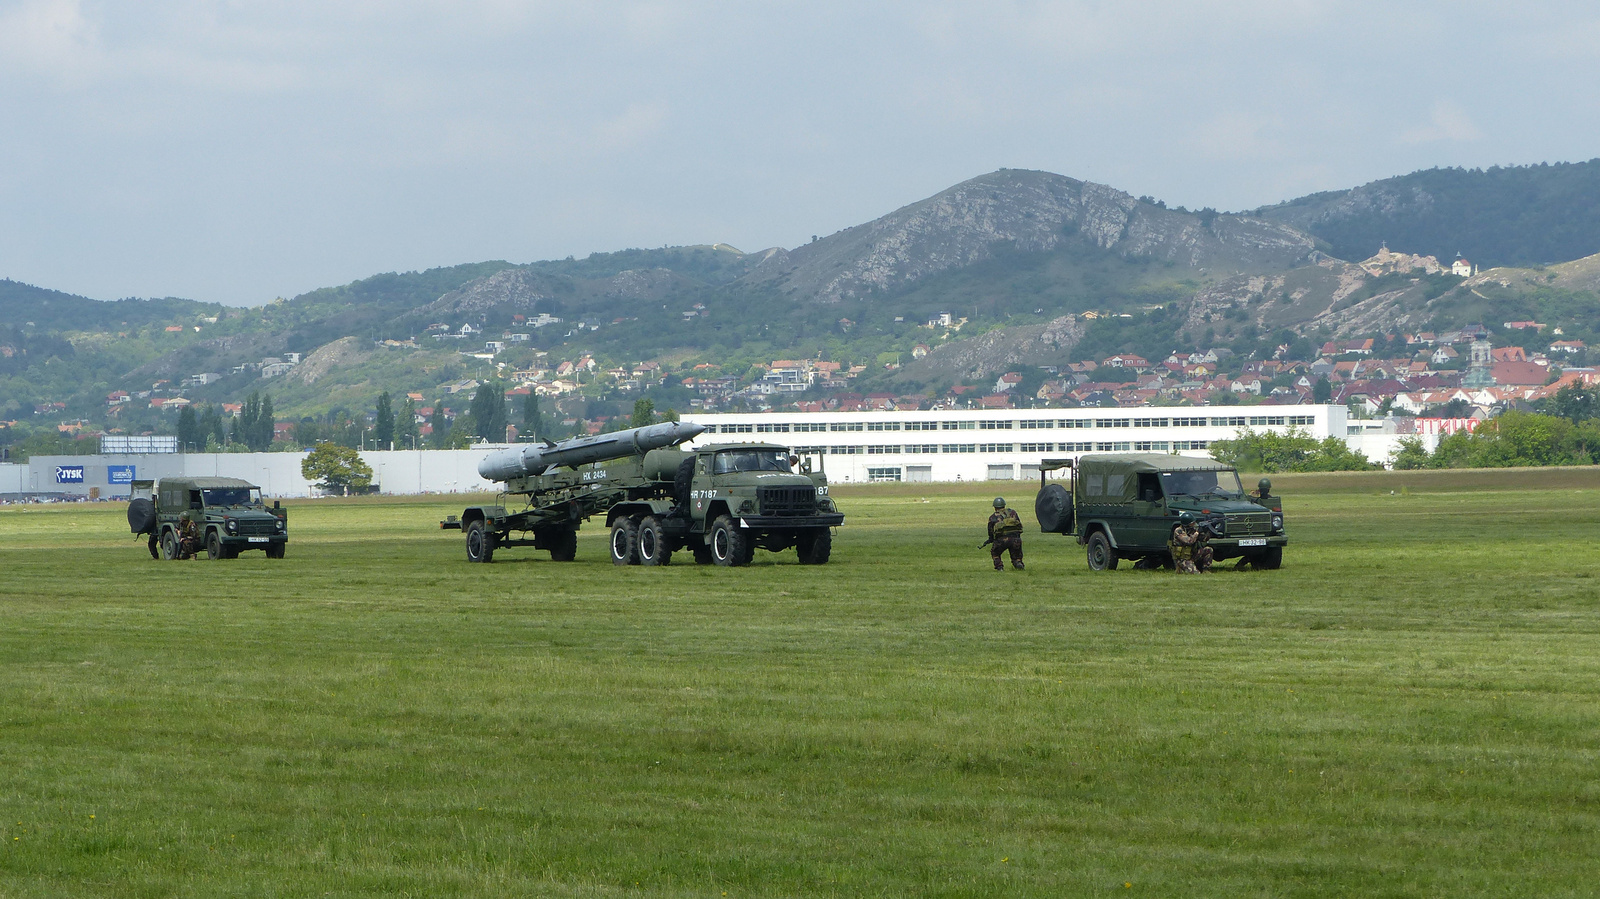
(531, 417)
(440, 434)
(336, 468)
(489, 411)
(265, 428)
(188, 430)
(211, 426)
(1322, 391)
(405, 426)
(644, 413)
(1295, 450)
(383, 425)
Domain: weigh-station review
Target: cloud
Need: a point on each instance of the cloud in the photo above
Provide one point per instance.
(48, 37)
(1448, 122)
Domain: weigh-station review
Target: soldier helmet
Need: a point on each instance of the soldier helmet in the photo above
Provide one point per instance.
(1186, 518)
(1265, 486)
(999, 502)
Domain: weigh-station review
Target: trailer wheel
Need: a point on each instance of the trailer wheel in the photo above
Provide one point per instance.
(625, 542)
(480, 543)
(815, 548)
(729, 546)
(565, 546)
(653, 546)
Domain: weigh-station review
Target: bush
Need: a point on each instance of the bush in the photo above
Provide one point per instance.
(1295, 450)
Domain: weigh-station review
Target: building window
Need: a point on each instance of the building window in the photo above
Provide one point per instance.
(1111, 422)
(994, 448)
(1149, 422)
(772, 429)
(846, 426)
(922, 448)
(1302, 419)
(1256, 420)
(960, 447)
(1235, 422)
(995, 425)
(883, 426)
(1038, 447)
(1080, 447)
(1188, 422)
(875, 450)
(1031, 423)
(1002, 473)
(1190, 444)
(1150, 446)
(883, 474)
(922, 426)
(844, 450)
(960, 425)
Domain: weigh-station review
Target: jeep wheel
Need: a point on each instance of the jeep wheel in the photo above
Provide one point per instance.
(729, 546)
(275, 550)
(1271, 560)
(169, 545)
(480, 543)
(565, 546)
(653, 546)
(1101, 556)
(814, 548)
(213, 546)
(625, 542)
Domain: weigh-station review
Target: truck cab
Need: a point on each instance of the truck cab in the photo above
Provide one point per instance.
(1125, 506)
(229, 517)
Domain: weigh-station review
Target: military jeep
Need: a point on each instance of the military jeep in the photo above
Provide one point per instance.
(228, 513)
(1125, 506)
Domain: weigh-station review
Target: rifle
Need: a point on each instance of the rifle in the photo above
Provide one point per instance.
(986, 543)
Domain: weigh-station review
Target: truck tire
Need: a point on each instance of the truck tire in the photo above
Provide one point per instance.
(565, 546)
(275, 550)
(702, 552)
(1053, 508)
(169, 545)
(1271, 560)
(214, 550)
(1101, 556)
(730, 547)
(653, 546)
(625, 542)
(814, 548)
(142, 516)
(682, 480)
(480, 543)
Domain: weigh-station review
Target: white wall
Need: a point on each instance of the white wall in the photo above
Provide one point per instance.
(12, 476)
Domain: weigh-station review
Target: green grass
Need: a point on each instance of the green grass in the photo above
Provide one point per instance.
(1407, 708)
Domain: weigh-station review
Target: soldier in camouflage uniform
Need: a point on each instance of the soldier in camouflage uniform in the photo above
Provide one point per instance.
(1005, 530)
(188, 537)
(1190, 554)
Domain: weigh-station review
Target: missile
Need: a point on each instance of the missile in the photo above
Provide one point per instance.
(535, 459)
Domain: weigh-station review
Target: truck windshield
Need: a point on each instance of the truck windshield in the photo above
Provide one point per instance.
(1201, 483)
(750, 460)
(231, 496)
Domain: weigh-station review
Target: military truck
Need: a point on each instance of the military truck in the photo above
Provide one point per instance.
(228, 513)
(1125, 505)
(720, 502)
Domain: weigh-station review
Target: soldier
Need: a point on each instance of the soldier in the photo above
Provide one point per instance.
(1005, 533)
(1190, 554)
(188, 537)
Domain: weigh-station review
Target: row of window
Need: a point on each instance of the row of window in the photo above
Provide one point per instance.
(1085, 446)
(1231, 421)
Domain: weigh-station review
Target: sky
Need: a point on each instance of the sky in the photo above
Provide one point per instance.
(236, 152)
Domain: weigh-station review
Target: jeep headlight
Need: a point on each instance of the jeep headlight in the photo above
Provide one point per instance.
(1277, 523)
(231, 526)
(282, 525)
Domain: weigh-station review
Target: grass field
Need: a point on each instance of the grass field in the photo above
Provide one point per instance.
(1408, 708)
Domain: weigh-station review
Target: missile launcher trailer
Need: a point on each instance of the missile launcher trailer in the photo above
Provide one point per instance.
(719, 502)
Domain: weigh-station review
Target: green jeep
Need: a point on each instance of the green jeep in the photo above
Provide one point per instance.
(228, 513)
(1125, 506)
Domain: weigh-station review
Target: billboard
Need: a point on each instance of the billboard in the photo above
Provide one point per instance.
(69, 474)
(120, 474)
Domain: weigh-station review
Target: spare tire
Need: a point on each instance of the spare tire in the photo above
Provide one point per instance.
(142, 516)
(1053, 508)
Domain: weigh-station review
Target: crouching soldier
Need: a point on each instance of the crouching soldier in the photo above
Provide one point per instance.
(188, 537)
(1190, 554)
(1005, 533)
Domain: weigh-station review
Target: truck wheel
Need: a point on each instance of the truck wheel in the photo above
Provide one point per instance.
(275, 550)
(702, 552)
(142, 516)
(1101, 556)
(1271, 560)
(814, 549)
(625, 542)
(565, 547)
(480, 543)
(729, 545)
(653, 543)
(169, 545)
(213, 546)
(155, 547)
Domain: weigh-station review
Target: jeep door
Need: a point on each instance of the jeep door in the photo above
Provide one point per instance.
(1148, 525)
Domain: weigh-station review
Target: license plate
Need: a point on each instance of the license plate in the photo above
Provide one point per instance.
(1253, 541)
(259, 539)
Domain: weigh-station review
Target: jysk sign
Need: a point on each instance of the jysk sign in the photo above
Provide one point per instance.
(119, 474)
(69, 474)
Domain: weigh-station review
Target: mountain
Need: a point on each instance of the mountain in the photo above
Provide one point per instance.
(1516, 216)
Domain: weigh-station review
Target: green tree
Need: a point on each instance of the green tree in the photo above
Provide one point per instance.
(336, 468)
(1322, 391)
(188, 430)
(1294, 450)
(265, 426)
(440, 433)
(488, 411)
(1411, 455)
(644, 413)
(405, 426)
(211, 426)
(383, 424)
(532, 419)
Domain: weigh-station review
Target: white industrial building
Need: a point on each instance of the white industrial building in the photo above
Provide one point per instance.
(1007, 444)
(855, 447)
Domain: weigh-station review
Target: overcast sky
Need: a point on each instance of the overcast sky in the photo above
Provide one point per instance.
(241, 151)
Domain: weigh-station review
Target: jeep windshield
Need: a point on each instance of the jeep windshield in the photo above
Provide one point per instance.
(750, 460)
(1201, 483)
(231, 496)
